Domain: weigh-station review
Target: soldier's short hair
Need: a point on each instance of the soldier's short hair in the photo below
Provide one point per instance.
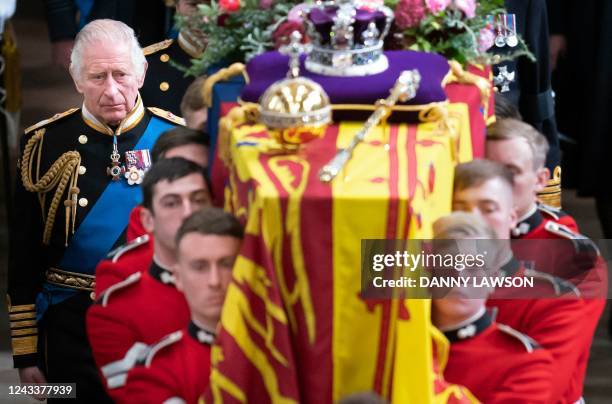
(507, 129)
(168, 170)
(193, 99)
(108, 31)
(210, 221)
(462, 225)
(477, 172)
(504, 108)
(175, 137)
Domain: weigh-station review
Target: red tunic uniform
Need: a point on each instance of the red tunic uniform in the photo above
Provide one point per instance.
(135, 256)
(498, 364)
(135, 228)
(178, 367)
(561, 325)
(564, 252)
(129, 316)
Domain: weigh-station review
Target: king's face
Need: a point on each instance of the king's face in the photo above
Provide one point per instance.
(109, 81)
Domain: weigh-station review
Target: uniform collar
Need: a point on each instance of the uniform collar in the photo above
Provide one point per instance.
(129, 122)
(190, 44)
(471, 327)
(161, 274)
(201, 334)
(511, 267)
(528, 222)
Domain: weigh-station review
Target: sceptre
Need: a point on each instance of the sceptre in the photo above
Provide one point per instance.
(405, 88)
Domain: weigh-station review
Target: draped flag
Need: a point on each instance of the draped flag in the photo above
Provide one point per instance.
(294, 327)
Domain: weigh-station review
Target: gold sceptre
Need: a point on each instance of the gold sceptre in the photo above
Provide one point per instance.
(405, 88)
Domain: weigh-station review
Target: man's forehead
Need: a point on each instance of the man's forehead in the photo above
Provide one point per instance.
(492, 190)
(184, 185)
(101, 52)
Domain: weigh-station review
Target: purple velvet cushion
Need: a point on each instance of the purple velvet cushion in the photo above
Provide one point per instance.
(269, 67)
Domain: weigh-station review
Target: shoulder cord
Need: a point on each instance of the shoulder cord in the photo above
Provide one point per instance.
(64, 172)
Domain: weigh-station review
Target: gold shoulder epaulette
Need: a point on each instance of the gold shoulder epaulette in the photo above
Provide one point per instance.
(529, 343)
(167, 115)
(156, 47)
(52, 119)
(163, 343)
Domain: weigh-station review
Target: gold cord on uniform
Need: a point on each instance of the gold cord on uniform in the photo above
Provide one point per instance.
(62, 174)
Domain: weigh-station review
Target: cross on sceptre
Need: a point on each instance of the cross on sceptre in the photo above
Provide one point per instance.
(294, 49)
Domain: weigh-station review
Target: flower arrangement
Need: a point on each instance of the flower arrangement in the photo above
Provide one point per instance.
(461, 30)
(236, 30)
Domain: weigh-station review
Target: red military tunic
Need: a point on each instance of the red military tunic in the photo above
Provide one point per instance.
(135, 256)
(564, 252)
(135, 227)
(178, 367)
(498, 364)
(561, 325)
(131, 314)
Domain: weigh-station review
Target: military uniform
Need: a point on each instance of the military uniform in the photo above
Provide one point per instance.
(562, 251)
(130, 315)
(165, 85)
(135, 227)
(528, 84)
(563, 325)
(68, 214)
(135, 256)
(176, 368)
(517, 369)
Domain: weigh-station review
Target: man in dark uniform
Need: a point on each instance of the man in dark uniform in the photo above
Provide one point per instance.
(178, 367)
(527, 83)
(77, 184)
(564, 326)
(165, 84)
(145, 305)
(518, 370)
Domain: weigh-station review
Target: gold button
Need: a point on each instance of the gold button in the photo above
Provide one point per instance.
(164, 86)
(82, 139)
(82, 170)
(164, 57)
(83, 202)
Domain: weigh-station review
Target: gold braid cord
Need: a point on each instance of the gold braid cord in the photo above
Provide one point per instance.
(459, 75)
(62, 174)
(222, 75)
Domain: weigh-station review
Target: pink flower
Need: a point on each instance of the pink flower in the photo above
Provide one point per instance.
(468, 7)
(486, 40)
(409, 13)
(265, 4)
(435, 6)
(297, 13)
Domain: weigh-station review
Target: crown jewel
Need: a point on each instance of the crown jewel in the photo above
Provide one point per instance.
(347, 38)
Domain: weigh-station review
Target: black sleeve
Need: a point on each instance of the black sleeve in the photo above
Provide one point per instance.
(24, 272)
(61, 19)
(536, 100)
(557, 16)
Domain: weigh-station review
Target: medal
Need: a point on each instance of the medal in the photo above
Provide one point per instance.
(137, 162)
(500, 38)
(511, 38)
(115, 170)
(503, 79)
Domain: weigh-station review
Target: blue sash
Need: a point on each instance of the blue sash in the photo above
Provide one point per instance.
(102, 226)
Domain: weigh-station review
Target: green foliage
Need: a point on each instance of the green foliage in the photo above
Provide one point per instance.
(237, 36)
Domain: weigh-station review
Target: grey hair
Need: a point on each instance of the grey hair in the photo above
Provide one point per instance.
(109, 31)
